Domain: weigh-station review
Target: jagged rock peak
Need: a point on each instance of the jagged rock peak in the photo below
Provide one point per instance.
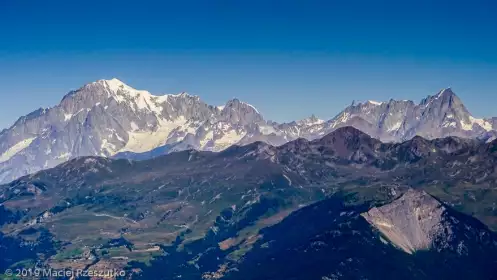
(237, 103)
(445, 95)
(311, 120)
(236, 111)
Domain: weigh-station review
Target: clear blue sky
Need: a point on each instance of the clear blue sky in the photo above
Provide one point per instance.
(288, 58)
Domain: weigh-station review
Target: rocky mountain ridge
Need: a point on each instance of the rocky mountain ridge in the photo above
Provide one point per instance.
(109, 118)
(212, 214)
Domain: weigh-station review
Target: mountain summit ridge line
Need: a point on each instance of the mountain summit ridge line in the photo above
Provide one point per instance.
(109, 118)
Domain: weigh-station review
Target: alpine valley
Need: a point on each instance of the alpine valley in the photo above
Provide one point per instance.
(168, 187)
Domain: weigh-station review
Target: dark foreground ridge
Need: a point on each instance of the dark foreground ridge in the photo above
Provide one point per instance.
(330, 240)
(194, 214)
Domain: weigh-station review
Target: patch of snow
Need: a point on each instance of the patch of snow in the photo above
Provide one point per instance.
(466, 126)
(288, 179)
(183, 94)
(395, 126)
(81, 110)
(119, 98)
(64, 156)
(318, 121)
(12, 151)
(161, 99)
(375, 102)
(251, 107)
(480, 122)
(217, 197)
(207, 138)
(119, 137)
(142, 98)
(267, 129)
(344, 118)
(442, 92)
(310, 121)
(134, 127)
(229, 138)
(109, 147)
(143, 141)
(449, 124)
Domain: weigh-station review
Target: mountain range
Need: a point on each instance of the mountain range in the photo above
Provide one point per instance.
(111, 119)
(343, 206)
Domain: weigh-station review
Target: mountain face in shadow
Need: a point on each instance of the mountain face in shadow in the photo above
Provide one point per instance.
(333, 240)
(203, 214)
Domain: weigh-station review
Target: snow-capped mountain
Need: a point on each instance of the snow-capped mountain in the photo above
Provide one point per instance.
(109, 118)
(436, 116)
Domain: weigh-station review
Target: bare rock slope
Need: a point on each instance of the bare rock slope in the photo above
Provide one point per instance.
(411, 222)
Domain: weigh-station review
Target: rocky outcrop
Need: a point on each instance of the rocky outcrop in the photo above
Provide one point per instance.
(411, 222)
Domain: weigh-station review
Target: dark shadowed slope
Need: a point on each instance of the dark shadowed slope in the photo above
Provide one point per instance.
(88, 203)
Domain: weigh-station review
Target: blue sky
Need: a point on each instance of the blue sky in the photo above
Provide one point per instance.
(288, 58)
